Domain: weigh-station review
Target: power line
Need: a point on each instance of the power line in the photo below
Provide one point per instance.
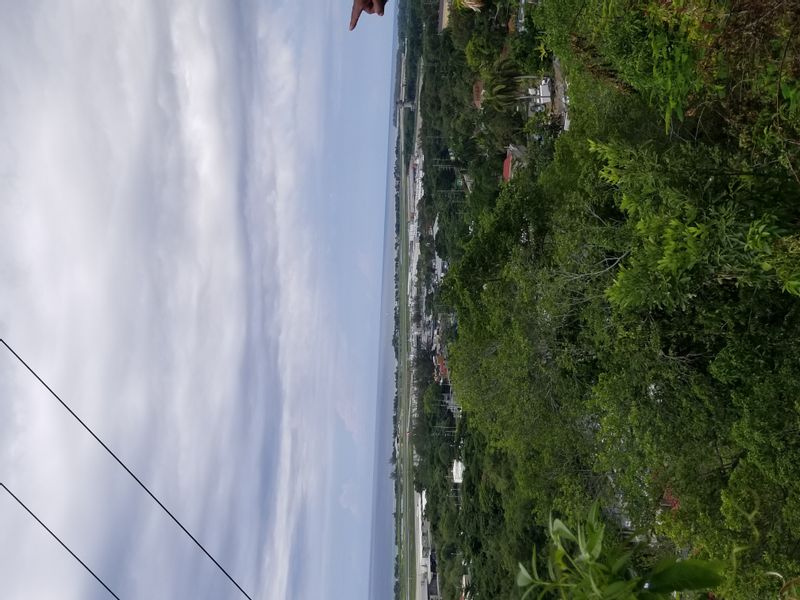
(56, 538)
(127, 470)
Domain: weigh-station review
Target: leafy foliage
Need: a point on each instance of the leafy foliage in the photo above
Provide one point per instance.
(581, 565)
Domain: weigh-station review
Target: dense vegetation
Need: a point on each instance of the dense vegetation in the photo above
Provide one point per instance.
(628, 321)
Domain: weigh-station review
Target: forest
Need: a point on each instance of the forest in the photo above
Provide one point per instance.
(625, 308)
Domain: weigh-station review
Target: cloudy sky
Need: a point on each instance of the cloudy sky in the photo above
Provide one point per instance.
(192, 203)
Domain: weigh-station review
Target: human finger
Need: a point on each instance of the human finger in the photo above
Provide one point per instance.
(378, 5)
(358, 7)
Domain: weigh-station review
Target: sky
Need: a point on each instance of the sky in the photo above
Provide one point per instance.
(193, 212)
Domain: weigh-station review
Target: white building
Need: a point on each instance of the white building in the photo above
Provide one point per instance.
(458, 471)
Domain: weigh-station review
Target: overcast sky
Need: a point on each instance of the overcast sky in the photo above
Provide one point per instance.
(192, 198)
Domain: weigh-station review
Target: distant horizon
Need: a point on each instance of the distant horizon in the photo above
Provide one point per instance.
(382, 544)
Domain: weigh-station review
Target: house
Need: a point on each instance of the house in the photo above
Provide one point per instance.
(508, 166)
(542, 92)
(441, 372)
(458, 471)
(477, 94)
(514, 155)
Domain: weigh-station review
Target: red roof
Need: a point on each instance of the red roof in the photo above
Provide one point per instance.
(442, 366)
(477, 93)
(507, 166)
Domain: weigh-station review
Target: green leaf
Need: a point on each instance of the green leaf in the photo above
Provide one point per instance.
(524, 578)
(595, 542)
(558, 529)
(690, 574)
(534, 568)
(621, 562)
(550, 570)
(582, 543)
(528, 593)
(593, 516)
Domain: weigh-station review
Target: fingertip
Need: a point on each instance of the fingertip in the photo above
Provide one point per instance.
(355, 14)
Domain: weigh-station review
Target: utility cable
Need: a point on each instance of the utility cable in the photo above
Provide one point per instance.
(56, 538)
(127, 470)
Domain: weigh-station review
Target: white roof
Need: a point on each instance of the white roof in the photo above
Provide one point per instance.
(458, 471)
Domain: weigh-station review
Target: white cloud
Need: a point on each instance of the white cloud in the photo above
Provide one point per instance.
(161, 271)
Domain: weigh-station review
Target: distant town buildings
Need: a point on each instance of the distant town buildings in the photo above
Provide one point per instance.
(427, 577)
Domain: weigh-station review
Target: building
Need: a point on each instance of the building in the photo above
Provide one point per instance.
(514, 155)
(458, 471)
(441, 374)
(541, 93)
(477, 94)
(508, 166)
